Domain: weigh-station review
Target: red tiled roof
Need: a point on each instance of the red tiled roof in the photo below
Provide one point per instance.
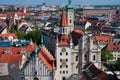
(17, 50)
(102, 39)
(46, 58)
(29, 48)
(112, 46)
(76, 34)
(3, 15)
(96, 72)
(63, 40)
(2, 49)
(11, 58)
(5, 36)
(11, 14)
(63, 19)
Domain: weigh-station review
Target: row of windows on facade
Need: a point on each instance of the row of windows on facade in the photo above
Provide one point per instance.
(67, 59)
(63, 66)
(63, 72)
(85, 57)
(63, 53)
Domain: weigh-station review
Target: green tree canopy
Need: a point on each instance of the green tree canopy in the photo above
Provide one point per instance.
(12, 31)
(35, 35)
(106, 55)
(20, 35)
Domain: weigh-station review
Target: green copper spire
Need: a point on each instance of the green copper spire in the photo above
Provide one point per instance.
(69, 6)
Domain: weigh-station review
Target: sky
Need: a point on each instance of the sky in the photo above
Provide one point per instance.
(59, 2)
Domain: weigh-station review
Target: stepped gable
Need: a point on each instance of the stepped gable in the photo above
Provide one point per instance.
(46, 58)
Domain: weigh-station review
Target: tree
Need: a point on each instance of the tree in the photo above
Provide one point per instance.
(12, 31)
(106, 55)
(35, 35)
(20, 35)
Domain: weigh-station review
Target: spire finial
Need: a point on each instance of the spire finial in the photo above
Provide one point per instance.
(69, 1)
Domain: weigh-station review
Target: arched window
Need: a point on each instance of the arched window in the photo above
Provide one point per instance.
(93, 57)
(85, 57)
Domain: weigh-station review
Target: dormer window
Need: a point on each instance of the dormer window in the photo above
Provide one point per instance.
(63, 39)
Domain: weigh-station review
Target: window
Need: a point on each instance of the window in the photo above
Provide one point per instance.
(63, 72)
(77, 66)
(66, 66)
(85, 57)
(63, 30)
(63, 39)
(66, 72)
(66, 60)
(60, 60)
(61, 53)
(93, 57)
(76, 58)
(70, 21)
(63, 78)
(60, 72)
(60, 66)
(66, 53)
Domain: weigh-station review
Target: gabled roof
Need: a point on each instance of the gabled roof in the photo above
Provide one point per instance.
(11, 58)
(63, 40)
(46, 58)
(93, 72)
(63, 22)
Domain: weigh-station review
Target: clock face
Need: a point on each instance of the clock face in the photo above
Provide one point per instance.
(63, 49)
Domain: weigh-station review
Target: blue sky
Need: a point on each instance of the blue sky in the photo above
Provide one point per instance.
(60, 2)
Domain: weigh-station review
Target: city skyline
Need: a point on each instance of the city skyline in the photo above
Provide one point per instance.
(59, 2)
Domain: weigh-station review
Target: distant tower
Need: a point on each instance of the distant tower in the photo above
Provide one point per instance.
(63, 51)
(89, 52)
(25, 11)
(70, 15)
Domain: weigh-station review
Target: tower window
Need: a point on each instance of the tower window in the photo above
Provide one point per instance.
(60, 72)
(66, 66)
(61, 53)
(60, 60)
(66, 53)
(66, 72)
(70, 21)
(63, 39)
(63, 72)
(66, 60)
(76, 58)
(85, 57)
(60, 66)
(93, 57)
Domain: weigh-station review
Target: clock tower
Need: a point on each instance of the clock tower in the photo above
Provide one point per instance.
(70, 15)
(63, 51)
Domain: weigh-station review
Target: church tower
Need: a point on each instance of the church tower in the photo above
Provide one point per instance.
(63, 51)
(70, 15)
(89, 52)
